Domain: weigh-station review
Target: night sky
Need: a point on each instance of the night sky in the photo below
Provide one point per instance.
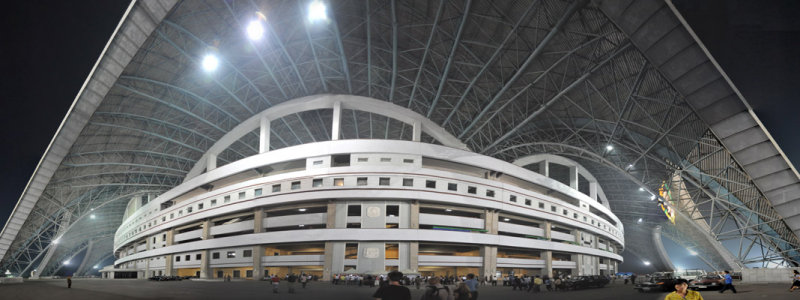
(49, 47)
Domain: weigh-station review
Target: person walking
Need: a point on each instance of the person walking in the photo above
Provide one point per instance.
(795, 281)
(462, 292)
(303, 280)
(393, 290)
(472, 284)
(682, 292)
(69, 281)
(275, 283)
(728, 283)
(436, 291)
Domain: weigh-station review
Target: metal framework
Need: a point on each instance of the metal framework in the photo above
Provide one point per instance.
(508, 78)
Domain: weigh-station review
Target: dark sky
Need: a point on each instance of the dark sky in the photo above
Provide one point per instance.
(49, 47)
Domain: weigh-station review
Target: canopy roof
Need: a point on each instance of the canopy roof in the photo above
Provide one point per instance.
(507, 78)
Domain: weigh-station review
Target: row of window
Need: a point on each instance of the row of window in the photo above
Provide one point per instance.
(360, 181)
(214, 255)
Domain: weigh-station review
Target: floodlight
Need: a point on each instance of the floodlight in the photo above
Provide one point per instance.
(96, 267)
(641, 189)
(448, 210)
(652, 197)
(210, 62)
(255, 30)
(506, 219)
(646, 263)
(66, 262)
(301, 225)
(302, 209)
(92, 216)
(609, 147)
(692, 252)
(639, 221)
(317, 11)
(55, 242)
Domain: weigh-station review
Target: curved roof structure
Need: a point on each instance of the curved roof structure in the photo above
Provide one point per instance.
(622, 87)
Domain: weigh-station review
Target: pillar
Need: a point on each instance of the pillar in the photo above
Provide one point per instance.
(212, 162)
(263, 137)
(327, 269)
(548, 263)
(573, 177)
(205, 272)
(258, 269)
(331, 215)
(414, 216)
(593, 190)
(168, 265)
(337, 116)
(490, 221)
(413, 251)
(417, 133)
(206, 234)
(489, 265)
(544, 168)
(258, 222)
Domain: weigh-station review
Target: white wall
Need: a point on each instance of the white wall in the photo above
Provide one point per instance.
(781, 275)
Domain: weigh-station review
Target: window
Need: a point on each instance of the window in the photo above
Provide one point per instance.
(154, 240)
(316, 182)
(553, 208)
(338, 182)
(227, 199)
(276, 188)
(213, 202)
(295, 185)
(392, 210)
(177, 258)
(575, 215)
(215, 255)
(258, 192)
(237, 273)
(354, 210)
(361, 181)
(529, 202)
(247, 253)
(189, 209)
(408, 181)
(489, 193)
(472, 190)
(171, 216)
(431, 184)
(200, 206)
(164, 237)
(249, 273)
(317, 162)
(386, 159)
(164, 219)
(363, 159)
(541, 205)
(241, 195)
(512, 198)
(452, 186)
(188, 257)
(408, 161)
(383, 181)
(584, 218)
(565, 212)
(198, 257)
(231, 254)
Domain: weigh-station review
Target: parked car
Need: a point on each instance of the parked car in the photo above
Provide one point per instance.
(707, 282)
(583, 282)
(166, 278)
(661, 282)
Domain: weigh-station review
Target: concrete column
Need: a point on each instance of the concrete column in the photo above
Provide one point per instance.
(258, 222)
(490, 221)
(327, 269)
(489, 265)
(337, 116)
(206, 234)
(413, 252)
(205, 271)
(573, 177)
(417, 136)
(548, 229)
(544, 168)
(212, 162)
(146, 268)
(258, 269)
(263, 137)
(414, 215)
(170, 237)
(331, 216)
(593, 190)
(168, 265)
(548, 263)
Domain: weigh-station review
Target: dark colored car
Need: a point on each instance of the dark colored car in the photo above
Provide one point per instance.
(659, 283)
(583, 282)
(707, 282)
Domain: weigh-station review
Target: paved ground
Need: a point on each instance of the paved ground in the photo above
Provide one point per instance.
(97, 289)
